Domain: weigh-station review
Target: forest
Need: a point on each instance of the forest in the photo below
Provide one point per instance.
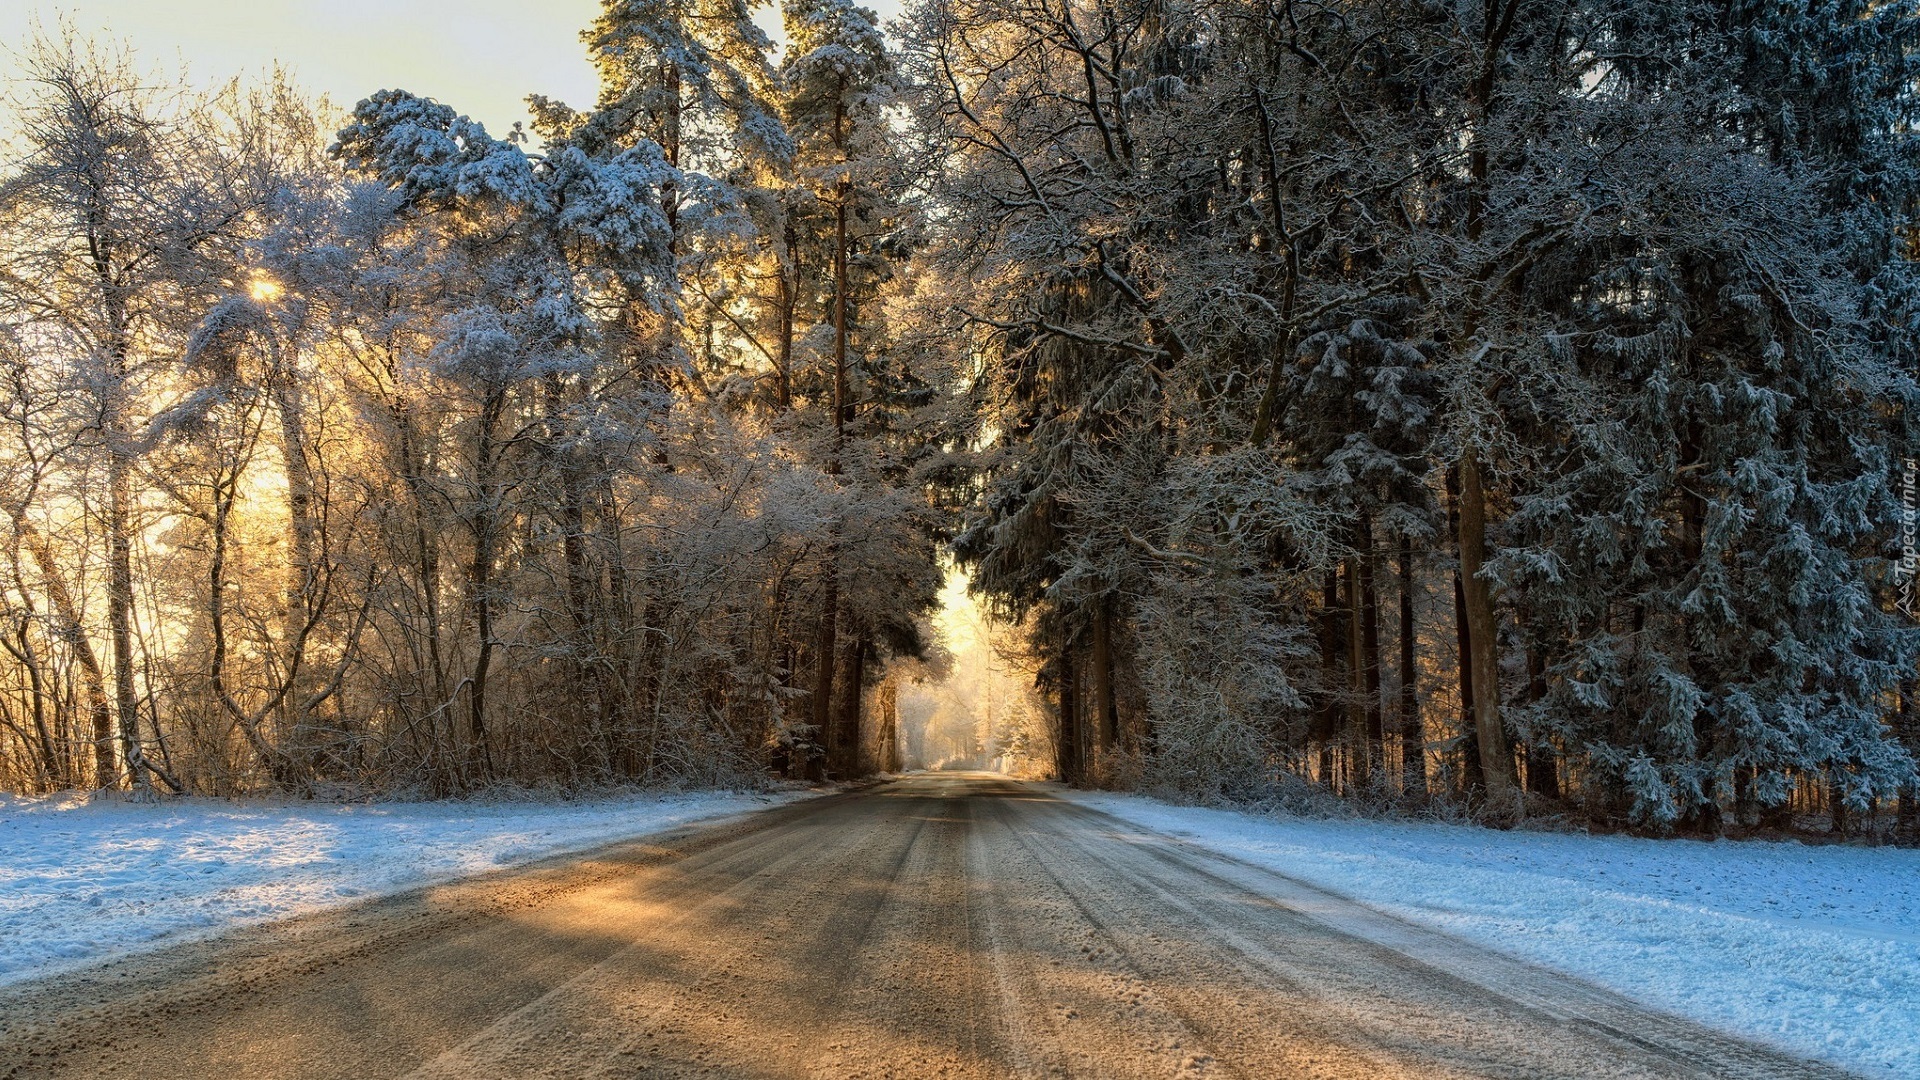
(1493, 408)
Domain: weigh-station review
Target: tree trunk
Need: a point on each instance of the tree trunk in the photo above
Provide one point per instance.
(480, 580)
(1360, 753)
(669, 139)
(1066, 748)
(114, 391)
(827, 644)
(302, 565)
(843, 191)
(431, 684)
(1332, 636)
(789, 273)
(1471, 779)
(848, 721)
(1907, 722)
(120, 603)
(1106, 714)
(1370, 658)
(302, 562)
(590, 677)
(1413, 740)
(826, 648)
(641, 748)
(887, 748)
(1496, 757)
(616, 703)
(842, 405)
(1543, 764)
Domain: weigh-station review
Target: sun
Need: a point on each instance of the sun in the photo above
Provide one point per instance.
(265, 290)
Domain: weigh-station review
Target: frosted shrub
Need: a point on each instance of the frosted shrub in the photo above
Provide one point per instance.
(1214, 682)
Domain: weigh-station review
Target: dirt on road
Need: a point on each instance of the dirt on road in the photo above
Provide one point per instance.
(937, 926)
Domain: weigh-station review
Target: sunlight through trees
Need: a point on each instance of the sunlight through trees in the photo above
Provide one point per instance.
(1492, 406)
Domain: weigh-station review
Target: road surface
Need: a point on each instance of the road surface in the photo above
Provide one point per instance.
(937, 926)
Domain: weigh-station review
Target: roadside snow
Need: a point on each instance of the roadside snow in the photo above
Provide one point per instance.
(1815, 949)
(79, 882)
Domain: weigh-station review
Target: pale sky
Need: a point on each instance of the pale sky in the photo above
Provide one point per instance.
(482, 57)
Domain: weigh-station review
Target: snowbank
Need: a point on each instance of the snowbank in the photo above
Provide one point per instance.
(79, 882)
(1814, 949)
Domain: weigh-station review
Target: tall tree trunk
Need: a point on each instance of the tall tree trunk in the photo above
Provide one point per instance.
(1478, 629)
(886, 752)
(1359, 750)
(302, 564)
(481, 578)
(120, 597)
(670, 79)
(826, 645)
(431, 684)
(788, 300)
(1332, 638)
(1413, 739)
(642, 745)
(1543, 765)
(1066, 748)
(1286, 267)
(618, 605)
(591, 678)
(613, 649)
(1907, 723)
(303, 567)
(1471, 779)
(1704, 816)
(1370, 658)
(842, 404)
(826, 649)
(115, 389)
(848, 725)
(1496, 756)
(1106, 713)
(485, 526)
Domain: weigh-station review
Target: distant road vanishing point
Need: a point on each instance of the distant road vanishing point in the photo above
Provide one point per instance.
(946, 925)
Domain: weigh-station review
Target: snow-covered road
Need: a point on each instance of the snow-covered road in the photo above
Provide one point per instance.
(957, 926)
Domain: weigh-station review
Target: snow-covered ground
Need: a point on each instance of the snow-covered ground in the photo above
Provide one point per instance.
(1813, 948)
(80, 881)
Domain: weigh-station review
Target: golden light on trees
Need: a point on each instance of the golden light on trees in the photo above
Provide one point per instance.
(265, 290)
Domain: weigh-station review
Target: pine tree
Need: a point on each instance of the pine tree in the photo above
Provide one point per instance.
(1697, 563)
(844, 218)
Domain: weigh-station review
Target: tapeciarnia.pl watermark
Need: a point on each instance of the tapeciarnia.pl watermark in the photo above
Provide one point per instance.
(1904, 574)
